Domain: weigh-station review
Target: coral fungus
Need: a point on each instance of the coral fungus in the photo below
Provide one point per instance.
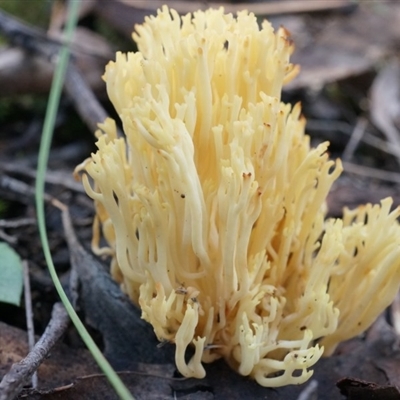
(213, 203)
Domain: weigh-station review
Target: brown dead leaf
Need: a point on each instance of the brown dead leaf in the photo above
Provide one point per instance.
(92, 387)
(332, 47)
(64, 364)
(21, 73)
(13, 346)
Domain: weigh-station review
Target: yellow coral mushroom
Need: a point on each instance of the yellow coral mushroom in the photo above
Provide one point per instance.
(213, 204)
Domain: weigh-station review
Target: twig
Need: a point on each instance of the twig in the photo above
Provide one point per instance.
(356, 137)
(29, 315)
(369, 172)
(380, 144)
(86, 103)
(72, 242)
(344, 128)
(8, 238)
(16, 186)
(105, 306)
(37, 42)
(395, 314)
(15, 379)
(263, 8)
(309, 392)
(17, 222)
(53, 177)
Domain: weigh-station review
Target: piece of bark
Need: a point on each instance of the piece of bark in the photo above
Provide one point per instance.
(358, 389)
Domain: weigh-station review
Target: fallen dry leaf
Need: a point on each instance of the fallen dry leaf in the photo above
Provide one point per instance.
(337, 46)
(64, 363)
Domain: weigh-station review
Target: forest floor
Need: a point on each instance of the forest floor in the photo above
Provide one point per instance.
(349, 87)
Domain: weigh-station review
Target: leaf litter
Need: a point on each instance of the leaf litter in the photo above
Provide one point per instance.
(335, 49)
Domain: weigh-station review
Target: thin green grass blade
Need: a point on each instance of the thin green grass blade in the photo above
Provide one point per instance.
(45, 144)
